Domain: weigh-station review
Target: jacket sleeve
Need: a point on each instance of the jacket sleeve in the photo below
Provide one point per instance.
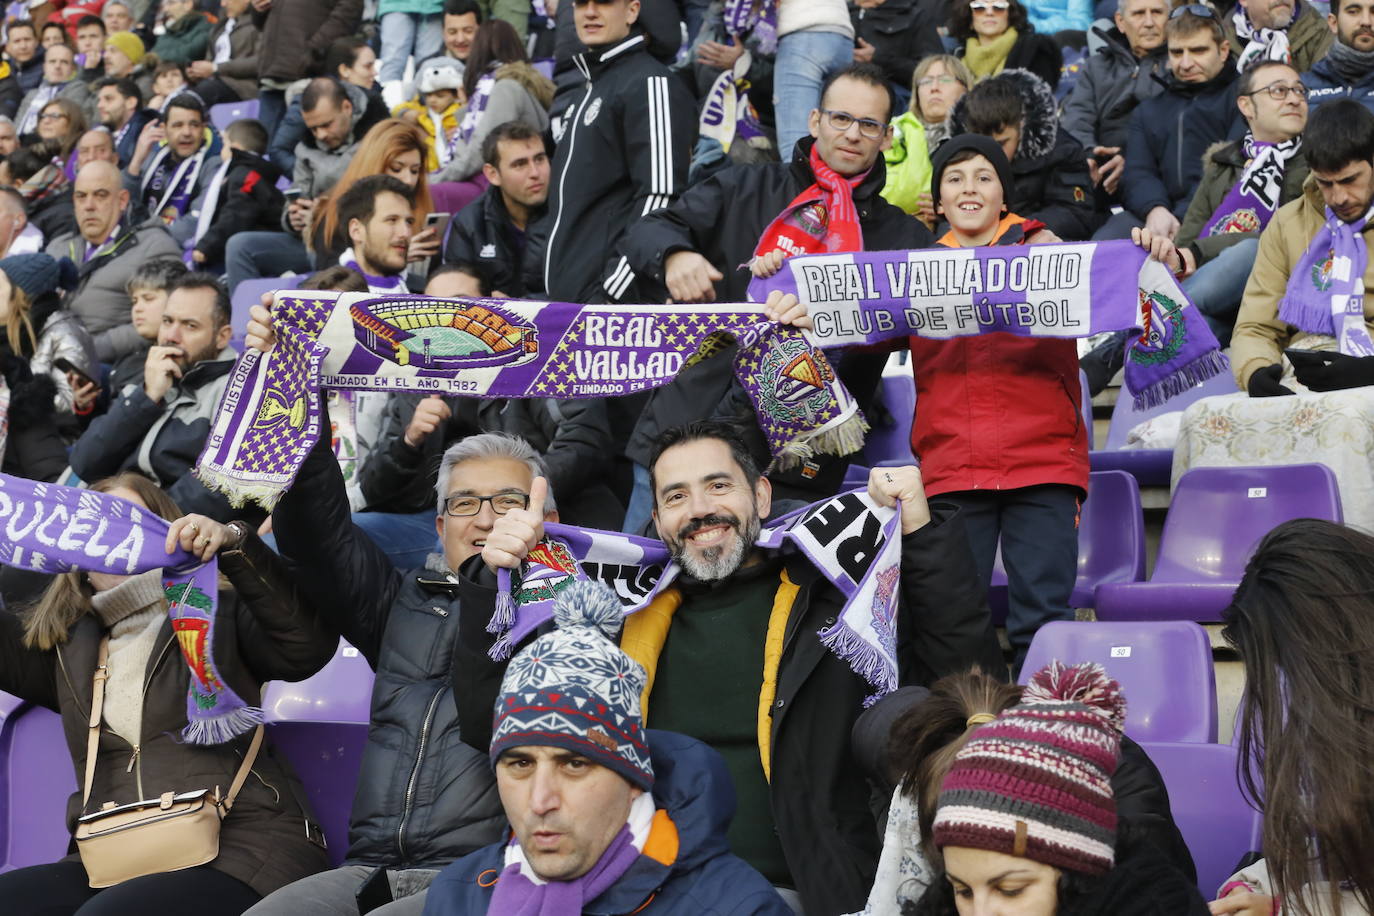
(681, 226)
(1080, 115)
(249, 199)
(1067, 205)
(581, 442)
(944, 625)
(340, 570)
(240, 66)
(30, 674)
(64, 339)
(111, 440)
(1260, 336)
(193, 496)
(1142, 800)
(1142, 182)
(475, 676)
(659, 124)
(284, 140)
(393, 477)
(114, 342)
(344, 18)
(281, 637)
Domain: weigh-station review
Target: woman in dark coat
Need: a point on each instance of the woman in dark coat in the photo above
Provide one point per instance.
(995, 35)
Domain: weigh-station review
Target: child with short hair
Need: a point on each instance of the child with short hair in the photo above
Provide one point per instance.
(147, 290)
(435, 110)
(247, 200)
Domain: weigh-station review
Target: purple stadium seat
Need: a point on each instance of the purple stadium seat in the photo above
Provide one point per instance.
(1216, 821)
(36, 778)
(1216, 517)
(891, 445)
(1111, 542)
(320, 726)
(1151, 466)
(246, 295)
(1164, 668)
(227, 113)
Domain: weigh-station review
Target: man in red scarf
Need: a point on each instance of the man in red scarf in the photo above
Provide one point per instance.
(699, 248)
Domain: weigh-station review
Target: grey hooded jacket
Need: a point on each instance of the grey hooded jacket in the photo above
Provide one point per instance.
(1112, 83)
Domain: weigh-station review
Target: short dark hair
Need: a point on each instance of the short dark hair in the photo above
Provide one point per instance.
(188, 101)
(496, 41)
(1246, 84)
(1338, 133)
(511, 130)
(992, 105)
(90, 19)
(321, 88)
(722, 430)
(29, 160)
(467, 269)
(156, 273)
(123, 85)
(169, 66)
(360, 201)
(961, 19)
(863, 73)
(337, 278)
(222, 312)
(462, 8)
(249, 134)
(22, 24)
(342, 52)
(1185, 23)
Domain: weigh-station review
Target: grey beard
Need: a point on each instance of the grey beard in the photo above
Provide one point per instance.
(715, 563)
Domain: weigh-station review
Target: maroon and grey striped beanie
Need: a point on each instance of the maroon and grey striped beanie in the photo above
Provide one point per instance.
(1036, 781)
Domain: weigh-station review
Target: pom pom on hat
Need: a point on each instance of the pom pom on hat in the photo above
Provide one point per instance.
(588, 604)
(1085, 683)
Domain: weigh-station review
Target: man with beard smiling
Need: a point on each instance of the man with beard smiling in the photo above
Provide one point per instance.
(379, 216)
(734, 658)
(159, 428)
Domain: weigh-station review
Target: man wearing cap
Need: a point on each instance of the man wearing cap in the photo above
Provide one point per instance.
(606, 816)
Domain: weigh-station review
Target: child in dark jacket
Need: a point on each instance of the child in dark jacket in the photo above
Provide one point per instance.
(247, 198)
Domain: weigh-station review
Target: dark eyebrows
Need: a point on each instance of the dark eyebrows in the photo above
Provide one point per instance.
(709, 478)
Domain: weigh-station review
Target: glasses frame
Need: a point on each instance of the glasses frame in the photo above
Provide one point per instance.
(448, 501)
(865, 124)
(1280, 93)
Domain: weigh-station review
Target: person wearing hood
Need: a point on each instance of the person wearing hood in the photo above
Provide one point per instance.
(435, 107)
(1050, 181)
(1128, 68)
(606, 816)
(1290, 31)
(242, 196)
(1347, 70)
(187, 33)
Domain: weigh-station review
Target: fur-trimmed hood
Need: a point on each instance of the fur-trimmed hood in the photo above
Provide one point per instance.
(537, 84)
(1041, 123)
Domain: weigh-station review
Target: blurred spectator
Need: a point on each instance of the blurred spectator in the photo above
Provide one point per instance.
(351, 61)
(24, 53)
(939, 82)
(622, 152)
(229, 70)
(461, 21)
(62, 122)
(500, 87)
(125, 58)
(292, 31)
(147, 291)
(1290, 31)
(59, 78)
(17, 234)
(716, 50)
(119, 104)
(39, 175)
(11, 93)
(53, 33)
(186, 35)
(894, 35)
(1347, 70)
(90, 47)
(434, 110)
(241, 197)
(159, 427)
(95, 144)
(408, 27)
(491, 233)
(996, 35)
(174, 164)
(1056, 16)
(9, 137)
(815, 40)
(117, 16)
(1049, 169)
(169, 79)
(107, 248)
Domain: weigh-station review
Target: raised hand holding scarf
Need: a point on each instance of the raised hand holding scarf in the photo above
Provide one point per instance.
(1252, 200)
(55, 529)
(822, 218)
(1325, 293)
(1266, 44)
(757, 19)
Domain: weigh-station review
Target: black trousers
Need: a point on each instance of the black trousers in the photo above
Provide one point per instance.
(63, 889)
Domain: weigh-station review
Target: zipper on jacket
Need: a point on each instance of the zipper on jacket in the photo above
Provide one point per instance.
(563, 178)
(409, 804)
(136, 761)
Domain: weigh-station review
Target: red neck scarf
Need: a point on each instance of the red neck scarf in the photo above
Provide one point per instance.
(820, 219)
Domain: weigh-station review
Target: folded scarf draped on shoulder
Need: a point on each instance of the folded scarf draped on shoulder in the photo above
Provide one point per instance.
(1325, 292)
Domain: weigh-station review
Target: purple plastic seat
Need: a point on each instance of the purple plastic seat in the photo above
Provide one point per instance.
(889, 445)
(1111, 542)
(1216, 517)
(246, 295)
(227, 113)
(1216, 821)
(1164, 668)
(36, 779)
(1150, 466)
(320, 725)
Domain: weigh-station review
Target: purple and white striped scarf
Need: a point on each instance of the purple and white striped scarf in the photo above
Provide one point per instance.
(757, 19)
(477, 104)
(1325, 293)
(55, 529)
(1252, 200)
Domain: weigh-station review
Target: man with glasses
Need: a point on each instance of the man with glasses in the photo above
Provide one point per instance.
(424, 797)
(698, 250)
(1347, 70)
(1289, 31)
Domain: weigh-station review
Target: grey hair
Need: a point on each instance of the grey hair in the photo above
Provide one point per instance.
(491, 445)
(6, 119)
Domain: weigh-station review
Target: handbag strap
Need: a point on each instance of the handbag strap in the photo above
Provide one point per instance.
(102, 673)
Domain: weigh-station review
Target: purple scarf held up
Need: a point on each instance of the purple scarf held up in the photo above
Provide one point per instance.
(1325, 293)
(56, 529)
(517, 895)
(1252, 200)
(754, 18)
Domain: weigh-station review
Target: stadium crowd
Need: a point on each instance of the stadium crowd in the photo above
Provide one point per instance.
(710, 753)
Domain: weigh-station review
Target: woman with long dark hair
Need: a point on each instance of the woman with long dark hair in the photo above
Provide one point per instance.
(1303, 623)
(996, 35)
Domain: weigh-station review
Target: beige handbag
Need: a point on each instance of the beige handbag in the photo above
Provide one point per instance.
(176, 830)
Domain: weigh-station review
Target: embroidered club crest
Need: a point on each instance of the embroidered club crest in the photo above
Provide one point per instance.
(812, 219)
(1164, 333)
(1321, 274)
(792, 382)
(1243, 220)
(547, 570)
(593, 110)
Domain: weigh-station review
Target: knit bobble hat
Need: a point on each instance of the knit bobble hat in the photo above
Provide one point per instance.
(38, 273)
(129, 44)
(1036, 781)
(573, 688)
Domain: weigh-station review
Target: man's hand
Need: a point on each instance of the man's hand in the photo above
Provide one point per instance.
(863, 52)
(197, 535)
(785, 308)
(160, 370)
(1264, 383)
(84, 393)
(1332, 371)
(515, 533)
(1107, 174)
(1161, 221)
(887, 485)
(423, 245)
(298, 214)
(198, 256)
(715, 54)
(200, 70)
(1159, 248)
(151, 135)
(261, 334)
(690, 277)
(925, 209)
(1242, 903)
(429, 413)
(765, 265)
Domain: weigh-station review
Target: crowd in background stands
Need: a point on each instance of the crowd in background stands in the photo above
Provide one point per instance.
(650, 151)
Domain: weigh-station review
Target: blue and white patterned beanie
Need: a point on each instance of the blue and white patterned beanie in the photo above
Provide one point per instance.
(573, 688)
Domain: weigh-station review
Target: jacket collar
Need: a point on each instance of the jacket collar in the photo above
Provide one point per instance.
(207, 370)
(1226, 77)
(801, 170)
(593, 60)
(1116, 44)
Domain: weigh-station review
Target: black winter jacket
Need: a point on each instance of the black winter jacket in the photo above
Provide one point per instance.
(901, 33)
(294, 31)
(1034, 52)
(11, 93)
(484, 237)
(248, 202)
(820, 798)
(723, 218)
(424, 797)
(33, 445)
(1169, 135)
(1050, 170)
(623, 151)
(1111, 84)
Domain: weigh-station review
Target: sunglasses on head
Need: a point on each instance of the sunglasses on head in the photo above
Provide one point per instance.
(987, 6)
(1196, 9)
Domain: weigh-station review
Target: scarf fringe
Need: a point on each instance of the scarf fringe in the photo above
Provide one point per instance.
(1306, 316)
(223, 728)
(504, 616)
(1208, 365)
(843, 438)
(239, 492)
(863, 657)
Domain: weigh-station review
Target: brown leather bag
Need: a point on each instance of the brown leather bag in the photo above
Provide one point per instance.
(176, 830)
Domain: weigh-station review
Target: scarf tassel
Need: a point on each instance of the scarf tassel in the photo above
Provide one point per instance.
(504, 617)
(222, 728)
(1306, 315)
(843, 438)
(1206, 366)
(863, 657)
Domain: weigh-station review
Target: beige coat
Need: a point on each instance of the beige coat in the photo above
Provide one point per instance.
(1260, 337)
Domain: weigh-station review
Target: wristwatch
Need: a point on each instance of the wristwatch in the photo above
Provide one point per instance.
(234, 542)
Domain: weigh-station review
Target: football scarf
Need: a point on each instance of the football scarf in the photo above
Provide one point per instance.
(1252, 200)
(1325, 293)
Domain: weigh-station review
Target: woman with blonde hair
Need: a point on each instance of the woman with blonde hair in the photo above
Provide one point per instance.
(392, 147)
(938, 82)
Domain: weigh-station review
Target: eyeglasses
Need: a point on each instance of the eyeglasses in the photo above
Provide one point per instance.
(843, 120)
(501, 503)
(1196, 9)
(1279, 91)
(52, 116)
(926, 82)
(987, 6)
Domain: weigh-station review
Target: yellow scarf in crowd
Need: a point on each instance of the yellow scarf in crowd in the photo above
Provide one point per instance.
(988, 59)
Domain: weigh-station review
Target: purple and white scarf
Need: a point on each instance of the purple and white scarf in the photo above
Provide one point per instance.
(757, 19)
(727, 115)
(4, 415)
(378, 284)
(172, 187)
(55, 529)
(1252, 200)
(477, 105)
(1261, 44)
(1325, 293)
